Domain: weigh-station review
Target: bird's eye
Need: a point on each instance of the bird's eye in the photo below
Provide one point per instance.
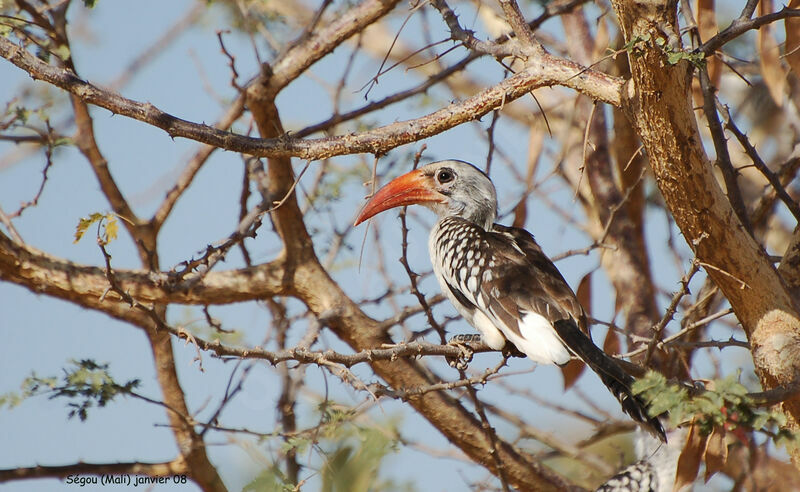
(445, 176)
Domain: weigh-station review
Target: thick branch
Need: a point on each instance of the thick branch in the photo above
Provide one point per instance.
(89, 286)
(542, 71)
(659, 107)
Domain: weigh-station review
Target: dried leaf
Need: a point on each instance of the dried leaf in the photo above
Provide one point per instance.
(707, 25)
(535, 146)
(601, 39)
(612, 344)
(584, 293)
(617, 306)
(716, 455)
(112, 228)
(793, 39)
(689, 460)
(572, 372)
(769, 57)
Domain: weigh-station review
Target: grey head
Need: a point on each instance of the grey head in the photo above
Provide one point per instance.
(468, 192)
(449, 188)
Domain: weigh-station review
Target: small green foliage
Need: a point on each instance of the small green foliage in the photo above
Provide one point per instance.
(107, 227)
(695, 58)
(271, 479)
(22, 114)
(633, 46)
(353, 463)
(85, 382)
(352, 452)
(335, 415)
(299, 443)
(725, 404)
(62, 52)
(89, 4)
(674, 56)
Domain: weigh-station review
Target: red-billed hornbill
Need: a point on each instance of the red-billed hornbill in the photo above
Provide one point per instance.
(656, 470)
(498, 278)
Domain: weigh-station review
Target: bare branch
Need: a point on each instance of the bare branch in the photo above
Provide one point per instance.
(544, 71)
(751, 152)
(744, 23)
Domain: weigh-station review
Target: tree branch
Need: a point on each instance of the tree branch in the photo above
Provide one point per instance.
(542, 71)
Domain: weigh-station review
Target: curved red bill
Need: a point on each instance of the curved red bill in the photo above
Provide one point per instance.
(409, 189)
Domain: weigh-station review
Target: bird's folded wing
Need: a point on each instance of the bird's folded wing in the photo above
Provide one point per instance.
(518, 290)
(526, 280)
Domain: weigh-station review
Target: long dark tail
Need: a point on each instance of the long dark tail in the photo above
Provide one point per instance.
(616, 380)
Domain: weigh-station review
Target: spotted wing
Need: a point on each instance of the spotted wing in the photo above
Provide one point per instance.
(527, 280)
(507, 278)
(500, 291)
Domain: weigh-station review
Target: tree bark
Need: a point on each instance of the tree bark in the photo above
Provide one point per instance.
(657, 100)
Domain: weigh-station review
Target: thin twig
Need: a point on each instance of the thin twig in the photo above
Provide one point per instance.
(658, 329)
(751, 152)
(491, 434)
(10, 226)
(721, 147)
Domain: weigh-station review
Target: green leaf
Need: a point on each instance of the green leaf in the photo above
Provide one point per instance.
(112, 228)
(298, 443)
(62, 52)
(271, 479)
(85, 383)
(108, 227)
(352, 466)
(84, 223)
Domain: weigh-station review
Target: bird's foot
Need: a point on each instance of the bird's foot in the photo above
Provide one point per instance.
(511, 350)
(465, 338)
(462, 341)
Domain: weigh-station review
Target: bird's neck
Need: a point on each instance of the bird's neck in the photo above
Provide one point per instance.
(479, 217)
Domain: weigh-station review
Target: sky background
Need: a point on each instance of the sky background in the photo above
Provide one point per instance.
(41, 334)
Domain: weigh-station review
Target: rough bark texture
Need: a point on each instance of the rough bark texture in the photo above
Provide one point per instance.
(654, 96)
(657, 101)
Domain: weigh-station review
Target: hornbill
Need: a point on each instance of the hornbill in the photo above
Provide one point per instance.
(657, 468)
(499, 279)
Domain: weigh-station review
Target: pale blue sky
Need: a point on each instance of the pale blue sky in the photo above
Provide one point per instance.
(41, 334)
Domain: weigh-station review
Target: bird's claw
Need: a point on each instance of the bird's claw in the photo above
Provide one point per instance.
(465, 338)
(462, 341)
(511, 350)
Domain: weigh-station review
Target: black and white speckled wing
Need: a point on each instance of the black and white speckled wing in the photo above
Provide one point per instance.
(499, 290)
(639, 477)
(656, 470)
(508, 289)
(552, 297)
(526, 279)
